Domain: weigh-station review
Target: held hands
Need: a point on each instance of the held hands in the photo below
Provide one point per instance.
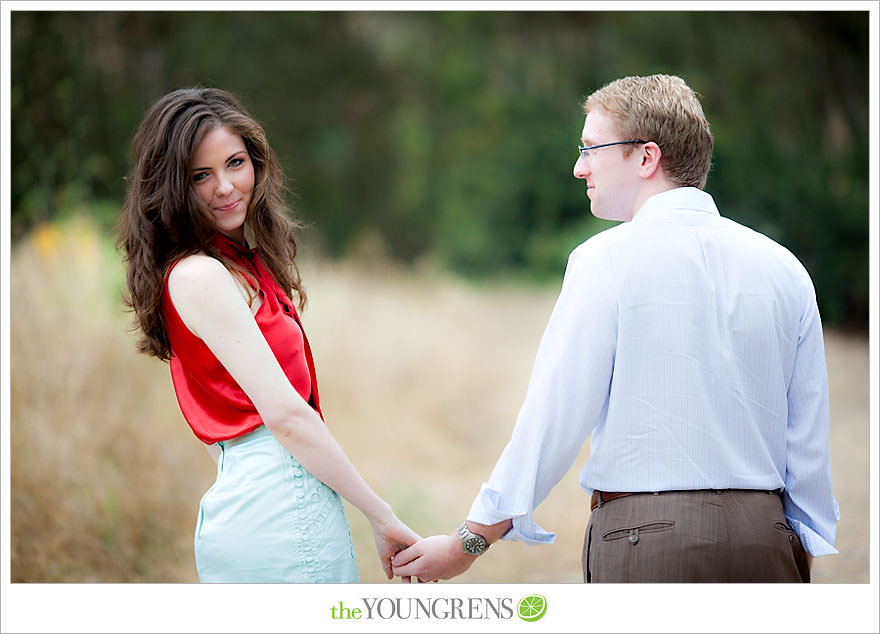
(432, 558)
(444, 556)
(391, 536)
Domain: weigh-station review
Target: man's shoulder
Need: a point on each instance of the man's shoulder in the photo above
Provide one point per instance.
(762, 242)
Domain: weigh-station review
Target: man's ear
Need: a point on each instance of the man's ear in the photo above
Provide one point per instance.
(651, 156)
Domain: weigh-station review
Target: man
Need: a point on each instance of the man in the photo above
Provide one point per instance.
(691, 348)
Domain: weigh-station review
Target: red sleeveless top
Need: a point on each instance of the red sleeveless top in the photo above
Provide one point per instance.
(211, 401)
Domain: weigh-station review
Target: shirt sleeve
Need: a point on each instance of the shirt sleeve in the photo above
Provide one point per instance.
(567, 397)
(808, 501)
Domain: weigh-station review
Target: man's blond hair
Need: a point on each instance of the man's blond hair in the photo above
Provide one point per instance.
(662, 109)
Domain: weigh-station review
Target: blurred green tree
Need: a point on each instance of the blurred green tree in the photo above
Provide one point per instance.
(451, 135)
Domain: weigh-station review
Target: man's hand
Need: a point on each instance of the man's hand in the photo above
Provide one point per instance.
(433, 558)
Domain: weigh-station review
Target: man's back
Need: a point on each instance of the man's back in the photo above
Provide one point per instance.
(719, 358)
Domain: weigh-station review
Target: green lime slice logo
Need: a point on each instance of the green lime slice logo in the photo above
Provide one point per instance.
(532, 608)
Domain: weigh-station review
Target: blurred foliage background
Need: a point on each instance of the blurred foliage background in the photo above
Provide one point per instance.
(449, 137)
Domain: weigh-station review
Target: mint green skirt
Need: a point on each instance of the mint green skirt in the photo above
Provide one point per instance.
(268, 520)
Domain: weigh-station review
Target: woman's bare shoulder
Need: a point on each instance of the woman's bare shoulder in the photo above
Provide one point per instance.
(197, 269)
(200, 282)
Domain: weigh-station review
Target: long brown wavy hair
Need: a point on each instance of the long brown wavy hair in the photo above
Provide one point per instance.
(163, 219)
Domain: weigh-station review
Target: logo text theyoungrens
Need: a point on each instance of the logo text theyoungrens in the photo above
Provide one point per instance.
(441, 608)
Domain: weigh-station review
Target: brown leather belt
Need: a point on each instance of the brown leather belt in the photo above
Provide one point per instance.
(600, 497)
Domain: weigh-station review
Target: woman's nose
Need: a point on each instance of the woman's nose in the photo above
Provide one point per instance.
(224, 186)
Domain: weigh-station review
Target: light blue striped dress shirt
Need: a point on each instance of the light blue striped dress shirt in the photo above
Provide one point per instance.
(691, 348)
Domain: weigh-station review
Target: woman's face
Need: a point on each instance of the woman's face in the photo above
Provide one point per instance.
(223, 178)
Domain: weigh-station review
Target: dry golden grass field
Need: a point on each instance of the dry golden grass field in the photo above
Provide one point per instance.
(421, 378)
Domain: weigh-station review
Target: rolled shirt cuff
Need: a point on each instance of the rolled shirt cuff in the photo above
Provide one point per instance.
(488, 508)
(812, 541)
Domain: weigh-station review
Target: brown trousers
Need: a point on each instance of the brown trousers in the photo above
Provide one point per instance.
(691, 537)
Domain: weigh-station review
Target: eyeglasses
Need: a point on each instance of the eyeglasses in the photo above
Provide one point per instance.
(585, 149)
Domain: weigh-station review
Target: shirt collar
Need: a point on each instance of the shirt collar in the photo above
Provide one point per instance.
(230, 248)
(680, 198)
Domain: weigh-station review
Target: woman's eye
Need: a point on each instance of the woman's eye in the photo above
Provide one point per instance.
(236, 162)
(200, 176)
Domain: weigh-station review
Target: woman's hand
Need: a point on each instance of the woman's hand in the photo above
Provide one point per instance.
(391, 537)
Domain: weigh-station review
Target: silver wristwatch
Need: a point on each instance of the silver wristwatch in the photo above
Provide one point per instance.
(473, 544)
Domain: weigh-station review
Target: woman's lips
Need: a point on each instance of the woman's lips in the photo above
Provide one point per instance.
(229, 206)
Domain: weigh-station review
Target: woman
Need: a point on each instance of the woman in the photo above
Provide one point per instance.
(209, 255)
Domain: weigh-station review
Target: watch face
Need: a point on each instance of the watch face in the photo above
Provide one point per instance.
(474, 545)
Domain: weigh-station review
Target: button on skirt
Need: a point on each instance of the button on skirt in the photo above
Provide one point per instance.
(268, 520)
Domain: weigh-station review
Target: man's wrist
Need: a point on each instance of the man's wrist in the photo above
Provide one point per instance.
(491, 532)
